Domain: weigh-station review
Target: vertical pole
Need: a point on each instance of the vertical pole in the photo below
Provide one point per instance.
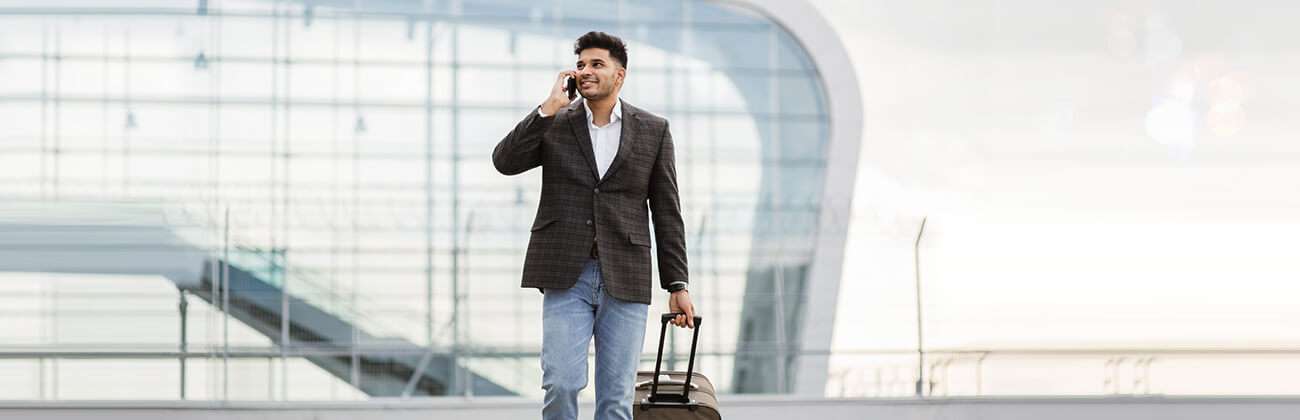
(215, 269)
(465, 378)
(40, 363)
(287, 198)
(184, 347)
(225, 310)
(336, 211)
(428, 176)
(285, 83)
(920, 344)
(356, 191)
(455, 190)
(778, 208)
(270, 377)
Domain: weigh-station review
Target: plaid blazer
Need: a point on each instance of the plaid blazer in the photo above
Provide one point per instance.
(578, 209)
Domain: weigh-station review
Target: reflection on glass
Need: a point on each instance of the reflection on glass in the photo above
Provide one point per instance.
(328, 166)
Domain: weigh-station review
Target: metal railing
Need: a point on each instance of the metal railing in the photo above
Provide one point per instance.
(869, 373)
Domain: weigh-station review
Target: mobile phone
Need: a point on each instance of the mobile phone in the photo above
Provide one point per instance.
(571, 86)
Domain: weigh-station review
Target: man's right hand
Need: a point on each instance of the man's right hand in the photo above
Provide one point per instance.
(558, 98)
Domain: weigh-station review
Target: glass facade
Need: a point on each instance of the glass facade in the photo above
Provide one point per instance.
(294, 200)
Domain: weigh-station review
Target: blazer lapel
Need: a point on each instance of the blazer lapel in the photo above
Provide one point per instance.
(578, 122)
(626, 136)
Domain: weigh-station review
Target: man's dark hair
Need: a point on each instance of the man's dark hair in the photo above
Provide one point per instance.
(595, 39)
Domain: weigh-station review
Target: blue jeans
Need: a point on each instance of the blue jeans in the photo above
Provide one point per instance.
(570, 318)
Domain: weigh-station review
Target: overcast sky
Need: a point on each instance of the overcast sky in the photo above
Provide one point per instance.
(1110, 174)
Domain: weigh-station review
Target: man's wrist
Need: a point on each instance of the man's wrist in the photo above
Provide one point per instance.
(550, 107)
(676, 286)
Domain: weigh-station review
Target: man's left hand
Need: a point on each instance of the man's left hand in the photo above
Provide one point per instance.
(680, 302)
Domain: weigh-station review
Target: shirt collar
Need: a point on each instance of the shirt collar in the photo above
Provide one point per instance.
(614, 117)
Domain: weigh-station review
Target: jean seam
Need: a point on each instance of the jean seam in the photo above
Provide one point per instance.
(600, 286)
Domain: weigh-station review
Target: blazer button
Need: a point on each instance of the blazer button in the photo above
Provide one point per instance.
(588, 222)
(597, 190)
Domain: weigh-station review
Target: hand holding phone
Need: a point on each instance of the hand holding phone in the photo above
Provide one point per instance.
(563, 92)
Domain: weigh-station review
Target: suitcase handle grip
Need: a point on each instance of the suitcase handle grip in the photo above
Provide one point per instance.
(659, 358)
(669, 317)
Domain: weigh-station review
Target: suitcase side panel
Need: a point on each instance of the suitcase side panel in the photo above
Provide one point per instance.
(704, 396)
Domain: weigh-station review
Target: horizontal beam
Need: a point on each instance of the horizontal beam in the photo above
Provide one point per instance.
(66, 352)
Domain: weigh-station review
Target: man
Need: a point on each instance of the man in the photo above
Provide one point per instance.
(602, 161)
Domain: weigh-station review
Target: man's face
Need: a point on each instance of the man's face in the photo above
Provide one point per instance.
(599, 75)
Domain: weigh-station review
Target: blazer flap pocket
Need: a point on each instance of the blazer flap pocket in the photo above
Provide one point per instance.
(541, 223)
(638, 239)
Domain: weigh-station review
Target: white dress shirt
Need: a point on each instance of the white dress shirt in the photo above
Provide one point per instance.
(604, 140)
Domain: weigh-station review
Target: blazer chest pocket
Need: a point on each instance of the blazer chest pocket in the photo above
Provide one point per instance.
(638, 239)
(542, 223)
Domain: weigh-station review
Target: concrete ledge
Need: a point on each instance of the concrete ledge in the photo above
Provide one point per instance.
(747, 407)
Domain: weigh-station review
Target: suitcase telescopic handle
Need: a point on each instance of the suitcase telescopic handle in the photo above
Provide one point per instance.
(659, 358)
(666, 381)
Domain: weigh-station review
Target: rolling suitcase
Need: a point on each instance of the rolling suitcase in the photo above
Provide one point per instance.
(674, 395)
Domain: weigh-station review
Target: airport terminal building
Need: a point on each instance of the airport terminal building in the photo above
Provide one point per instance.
(288, 200)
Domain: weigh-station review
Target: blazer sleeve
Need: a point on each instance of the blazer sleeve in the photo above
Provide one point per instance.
(521, 149)
(666, 212)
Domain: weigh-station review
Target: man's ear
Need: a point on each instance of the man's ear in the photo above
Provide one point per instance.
(622, 74)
